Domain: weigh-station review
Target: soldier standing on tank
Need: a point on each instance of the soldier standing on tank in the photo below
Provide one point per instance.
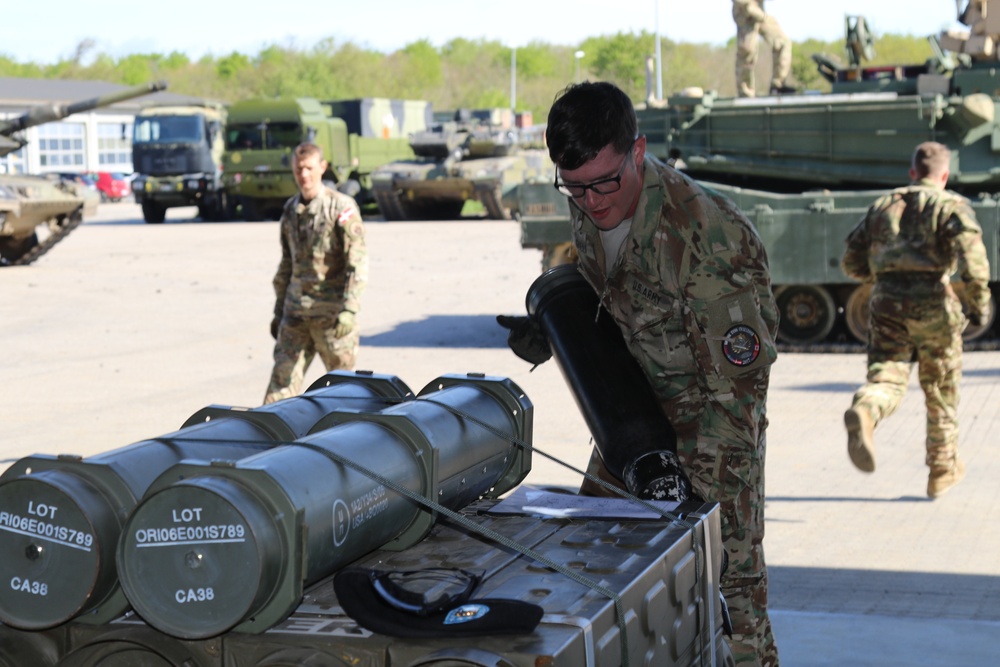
(752, 23)
(685, 276)
(319, 282)
(909, 243)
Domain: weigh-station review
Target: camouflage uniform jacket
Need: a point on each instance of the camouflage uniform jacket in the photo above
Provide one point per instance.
(926, 230)
(324, 263)
(691, 293)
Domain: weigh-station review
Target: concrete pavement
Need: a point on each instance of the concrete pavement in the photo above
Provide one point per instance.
(124, 330)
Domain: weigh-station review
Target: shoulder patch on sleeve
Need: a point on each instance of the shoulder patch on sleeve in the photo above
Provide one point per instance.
(345, 215)
(741, 345)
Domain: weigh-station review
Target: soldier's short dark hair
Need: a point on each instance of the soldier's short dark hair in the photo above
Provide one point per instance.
(306, 150)
(585, 118)
(931, 159)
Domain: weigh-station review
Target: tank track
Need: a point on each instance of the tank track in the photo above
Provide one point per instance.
(67, 225)
(389, 203)
(490, 196)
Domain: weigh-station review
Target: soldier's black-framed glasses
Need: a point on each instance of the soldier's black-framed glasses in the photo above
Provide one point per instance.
(602, 186)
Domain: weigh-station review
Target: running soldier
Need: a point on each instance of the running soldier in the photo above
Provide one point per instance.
(910, 243)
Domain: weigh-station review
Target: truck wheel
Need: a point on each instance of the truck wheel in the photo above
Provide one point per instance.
(222, 211)
(251, 210)
(231, 208)
(806, 313)
(153, 213)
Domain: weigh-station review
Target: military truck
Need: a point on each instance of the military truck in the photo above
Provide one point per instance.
(805, 167)
(356, 136)
(37, 212)
(247, 537)
(478, 155)
(177, 158)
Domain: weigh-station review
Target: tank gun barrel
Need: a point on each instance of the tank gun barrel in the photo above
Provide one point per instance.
(48, 113)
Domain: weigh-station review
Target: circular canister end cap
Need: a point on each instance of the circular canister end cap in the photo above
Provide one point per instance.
(198, 557)
(57, 537)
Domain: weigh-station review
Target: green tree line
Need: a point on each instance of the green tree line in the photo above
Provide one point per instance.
(461, 73)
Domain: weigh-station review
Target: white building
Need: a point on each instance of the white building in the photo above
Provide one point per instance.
(97, 140)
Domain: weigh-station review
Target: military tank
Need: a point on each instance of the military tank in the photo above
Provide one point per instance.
(37, 212)
(475, 156)
(804, 167)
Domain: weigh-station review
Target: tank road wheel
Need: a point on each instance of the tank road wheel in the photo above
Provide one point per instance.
(971, 332)
(153, 213)
(857, 310)
(807, 313)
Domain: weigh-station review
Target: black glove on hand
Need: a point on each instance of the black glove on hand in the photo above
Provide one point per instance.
(275, 323)
(975, 319)
(526, 338)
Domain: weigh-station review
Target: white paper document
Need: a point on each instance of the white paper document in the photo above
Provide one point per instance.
(529, 500)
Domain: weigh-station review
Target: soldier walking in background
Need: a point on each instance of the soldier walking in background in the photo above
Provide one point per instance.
(752, 23)
(909, 244)
(685, 276)
(322, 274)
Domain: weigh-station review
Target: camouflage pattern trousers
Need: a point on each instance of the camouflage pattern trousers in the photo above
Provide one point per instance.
(721, 445)
(299, 340)
(748, 34)
(923, 324)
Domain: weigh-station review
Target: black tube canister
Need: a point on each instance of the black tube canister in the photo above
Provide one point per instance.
(61, 516)
(633, 436)
(213, 548)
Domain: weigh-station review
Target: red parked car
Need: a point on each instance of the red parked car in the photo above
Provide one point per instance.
(112, 186)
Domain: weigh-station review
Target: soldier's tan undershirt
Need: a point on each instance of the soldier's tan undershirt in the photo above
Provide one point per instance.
(613, 240)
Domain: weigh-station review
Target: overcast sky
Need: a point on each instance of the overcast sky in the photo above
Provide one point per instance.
(46, 30)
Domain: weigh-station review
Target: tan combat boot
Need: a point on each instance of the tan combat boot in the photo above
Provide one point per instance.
(860, 438)
(942, 479)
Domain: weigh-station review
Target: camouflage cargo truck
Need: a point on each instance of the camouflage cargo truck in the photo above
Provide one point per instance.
(37, 212)
(479, 155)
(356, 136)
(805, 167)
(177, 158)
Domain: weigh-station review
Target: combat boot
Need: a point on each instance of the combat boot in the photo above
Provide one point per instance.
(860, 438)
(942, 478)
